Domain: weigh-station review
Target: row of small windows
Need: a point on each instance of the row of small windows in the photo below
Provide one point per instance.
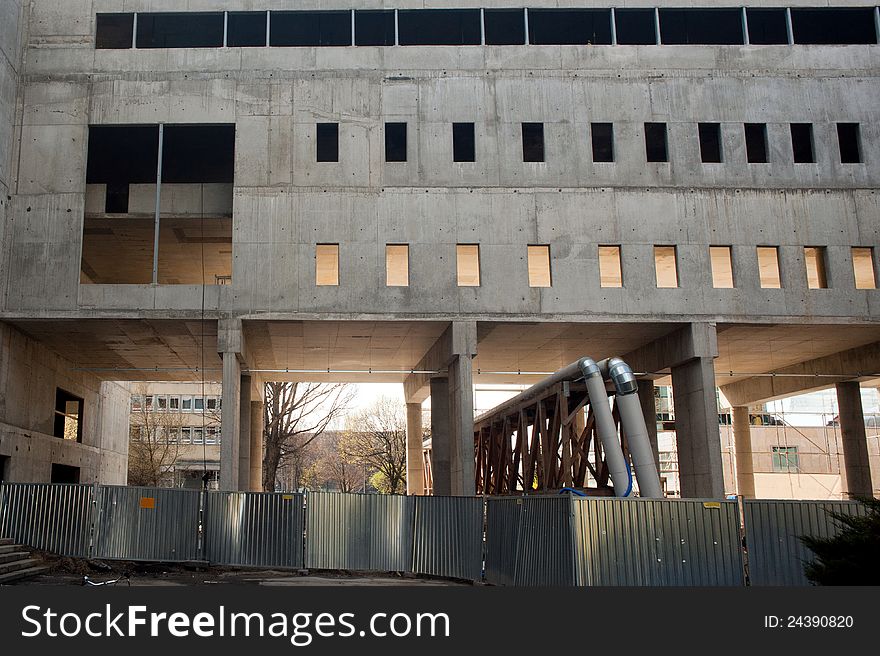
(610, 268)
(416, 27)
(184, 435)
(174, 403)
(602, 142)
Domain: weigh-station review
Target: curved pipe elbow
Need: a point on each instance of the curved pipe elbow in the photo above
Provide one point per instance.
(621, 374)
(589, 368)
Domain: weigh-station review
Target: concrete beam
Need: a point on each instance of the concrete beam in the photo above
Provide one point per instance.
(460, 338)
(694, 340)
(853, 364)
(855, 443)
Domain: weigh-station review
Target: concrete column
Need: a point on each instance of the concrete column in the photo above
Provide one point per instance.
(696, 429)
(440, 438)
(415, 464)
(855, 443)
(649, 411)
(230, 423)
(255, 482)
(461, 412)
(244, 438)
(745, 466)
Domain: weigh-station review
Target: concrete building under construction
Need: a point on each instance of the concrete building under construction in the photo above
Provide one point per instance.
(433, 194)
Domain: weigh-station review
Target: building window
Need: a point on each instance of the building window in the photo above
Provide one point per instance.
(438, 27)
(802, 143)
(756, 142)
(610, 273)
(767, 27)
(114, 30)
(504, 27)
(533, 142)
(186, 403)
(468, 264)
(327, 138)
(826, 26)
(395, 142)
(180, 30)
(635, 27)
(655, 142)
(849, 140)
(539, 266)
(310, 28)
(199, 403)
(722, 267)
(603, 141)
(374, 27)
(710, 142)
(814, 258)
(68, 416)
(137, 403)
(561, 27)
(463, 147)
(863, 267)
(327, 264)
(785, 459)
(666, 266)
(211, 403)
(768, 267)
(246, 28)
(711, 27)
(397, 265)
(174, 403)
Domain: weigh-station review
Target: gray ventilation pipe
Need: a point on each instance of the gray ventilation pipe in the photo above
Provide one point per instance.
(633, 422)
(621, 478)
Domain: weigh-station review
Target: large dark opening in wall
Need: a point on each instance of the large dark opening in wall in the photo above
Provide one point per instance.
(767, 26)
(68, 416)
(64, 474)
(823, 26)
(374, 27)
(710, 142)
(5, 463)
(570, 27)
(655, 142)
(603, 141)
(246, 28)
(327, 142)
(463, 144)
(635, 27)
(533, 142)
(756, 142)
(438, 27)
(194, 244)
(701, 27)
(504, 27)
(114, 31)
(802, 143)
(310, 28)
(180, 30)
(849, 140)
(395, 142)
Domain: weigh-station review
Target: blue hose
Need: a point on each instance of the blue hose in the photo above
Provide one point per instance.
(573, 491)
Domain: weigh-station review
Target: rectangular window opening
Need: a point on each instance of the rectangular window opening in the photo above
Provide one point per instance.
(722, 267)
(246, 29)
(374, 27)
(710, 142)
(708, 27)
(64, 474)
(767, 27)
(327, 264)
(397, 265)
(756, 142)
(539, 266)
(310, 28)
(802, 143)
(557, 27)
(863, 267)
(68, 416)
(785, 459)
(180, 30)
(504, 27)
(533, 142)
(768, 267)
(327, 140)
(603, 141)
(468, 265)
(849, 140)
(438, 27)
(610, 272)
(395, 142)
(114, 31)
(666, 266)
(635, 27)
(656, 149)
(833, 26)
(463, 146)
(814, 258)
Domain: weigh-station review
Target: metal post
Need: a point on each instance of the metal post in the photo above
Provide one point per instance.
(482, 27)
(268, 26)
(657, 26)
(225, 27)
(158, 205)
(745, 22)
(396, 30)
(613, 28)
(353, 42)
(526, 19)
(789, 28)
(134, 31)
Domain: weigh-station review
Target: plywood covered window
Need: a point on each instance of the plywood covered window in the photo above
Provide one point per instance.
(327, 264)
(863, 267)
(814, 258)
(722, 267)
(666, 266)
(610, 272)
(397, 265)
(768, 267)
(468, 265)
(539, 266)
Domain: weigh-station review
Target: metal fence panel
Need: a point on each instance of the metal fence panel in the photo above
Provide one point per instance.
(448, 536)
(145, 523)
(370, 532)
(254, 528)
(645, 542)
(48, 516)
(776, 555)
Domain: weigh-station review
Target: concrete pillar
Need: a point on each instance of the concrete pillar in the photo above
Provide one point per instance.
(230, 423)
(461, 412)
(255, 481)
(696, 429)
(415, 464)
(855, 443)
(440, 438)
(745, 466)
(649, 411)
(244, 436)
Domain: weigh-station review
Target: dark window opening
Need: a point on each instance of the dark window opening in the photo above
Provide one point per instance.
(198, 153)
(68, 416)
(833, 26)
(463, 146)
(438, 27)
(374, 27)
(327, 142)
(122, 154)
(554, 27)
(395, 142)
(114, 30)
(802, 143)
(756, 142)
(603, 141)
(116, 198)
(655, 142)
(180, 30)
(701, 27)
(635, 27)
(246, 28)
(849, 141)
(504, 27)
(64, 474)
(533, 142)
(710, 142)
(4, 468)
(310, 28)
(767, 26)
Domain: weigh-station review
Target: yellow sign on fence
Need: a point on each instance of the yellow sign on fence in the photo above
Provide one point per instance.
(148, 502)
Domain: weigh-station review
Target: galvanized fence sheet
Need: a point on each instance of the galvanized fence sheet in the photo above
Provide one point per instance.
(775, 552)
(645, 542)
(48, 516)
(369, 532)
(448, 536)
(141, 523)
(254, 528)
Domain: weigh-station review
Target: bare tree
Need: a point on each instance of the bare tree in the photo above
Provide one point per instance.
(296, 414)
(153, 445)
(330, 467)
(376, 438)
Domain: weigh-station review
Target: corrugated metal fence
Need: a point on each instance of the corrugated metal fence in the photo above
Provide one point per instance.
(46, 516)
